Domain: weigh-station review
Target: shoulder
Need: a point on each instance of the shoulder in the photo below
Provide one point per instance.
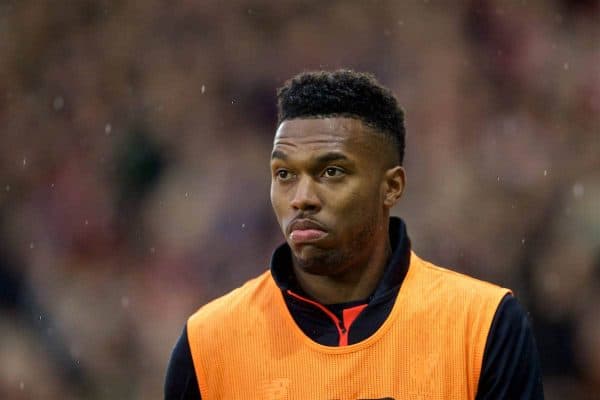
(236, 301)
(447, 280)
(461, 298)
(181, 382)
(511, 366)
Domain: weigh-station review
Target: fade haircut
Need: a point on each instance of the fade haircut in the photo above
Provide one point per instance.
(343, 93)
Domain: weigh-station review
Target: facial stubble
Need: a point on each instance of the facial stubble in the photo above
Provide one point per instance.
(334, 261)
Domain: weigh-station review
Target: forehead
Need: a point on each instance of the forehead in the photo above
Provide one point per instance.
(349, 135)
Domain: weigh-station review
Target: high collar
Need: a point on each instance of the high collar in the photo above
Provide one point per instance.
(393, 275)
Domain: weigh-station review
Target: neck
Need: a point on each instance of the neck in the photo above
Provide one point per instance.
(355, 282)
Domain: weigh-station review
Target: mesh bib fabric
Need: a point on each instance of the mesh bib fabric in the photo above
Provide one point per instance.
(246, 345)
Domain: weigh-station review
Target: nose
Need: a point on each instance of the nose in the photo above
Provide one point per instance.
(305, 197)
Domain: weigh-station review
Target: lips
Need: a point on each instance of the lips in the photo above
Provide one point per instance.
(305, 231)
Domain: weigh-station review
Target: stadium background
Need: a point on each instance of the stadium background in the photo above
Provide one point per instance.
(134, 167)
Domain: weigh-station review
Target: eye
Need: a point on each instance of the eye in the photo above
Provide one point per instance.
(283, 174)
(333, 172)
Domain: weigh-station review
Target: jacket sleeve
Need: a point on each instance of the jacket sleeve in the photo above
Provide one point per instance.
(511, 366)
(181, 382)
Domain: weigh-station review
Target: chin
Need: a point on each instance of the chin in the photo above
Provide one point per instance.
(319, 262)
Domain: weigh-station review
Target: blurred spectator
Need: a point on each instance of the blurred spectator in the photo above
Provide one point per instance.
(134, 173)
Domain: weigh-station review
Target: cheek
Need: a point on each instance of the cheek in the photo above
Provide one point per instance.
(355, 208)
(276, 200)
(362, 210)
(280, 202)
(359, 198)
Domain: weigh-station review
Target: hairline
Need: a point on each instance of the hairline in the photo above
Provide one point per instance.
(372, 128)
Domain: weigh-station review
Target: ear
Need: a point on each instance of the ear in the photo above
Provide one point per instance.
(393, 185)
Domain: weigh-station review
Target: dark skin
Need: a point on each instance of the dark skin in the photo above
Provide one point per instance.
(334, 181)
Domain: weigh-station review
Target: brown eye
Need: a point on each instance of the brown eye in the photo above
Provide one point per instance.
(332, 172)
(283, 174)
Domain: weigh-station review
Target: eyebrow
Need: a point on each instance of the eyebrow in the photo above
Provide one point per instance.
(322, 159)
(332, 156)
(278, 154)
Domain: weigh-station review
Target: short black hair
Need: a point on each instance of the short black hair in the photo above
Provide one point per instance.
(343, 93)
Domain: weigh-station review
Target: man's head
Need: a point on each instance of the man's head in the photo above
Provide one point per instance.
(343, 93)
(336, 169)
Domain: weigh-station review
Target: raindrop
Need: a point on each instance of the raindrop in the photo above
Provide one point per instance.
(523, 241)
(31, 245)
(232, 101)
(24, 161)
(21, 385)
(86, 222)
(243, 226)
(108, 129)
(578, 190)
(124, 301)
(566, 66)
(545, 172)
(203, 89)
(187, 195)
(58, 103)
(7, 188)
(152, 250)
(498, 178)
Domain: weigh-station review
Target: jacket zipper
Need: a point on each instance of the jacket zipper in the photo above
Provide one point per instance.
(339, 323)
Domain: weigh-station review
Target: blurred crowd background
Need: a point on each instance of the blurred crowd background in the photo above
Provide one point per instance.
(134, 148)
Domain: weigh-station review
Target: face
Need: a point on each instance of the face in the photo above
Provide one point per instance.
(333, 182)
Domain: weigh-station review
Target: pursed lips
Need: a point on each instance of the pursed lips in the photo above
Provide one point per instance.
(305, 231)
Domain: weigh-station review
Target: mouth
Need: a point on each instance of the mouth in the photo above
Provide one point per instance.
(305, 231)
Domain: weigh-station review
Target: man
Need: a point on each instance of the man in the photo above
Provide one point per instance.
(347, 310)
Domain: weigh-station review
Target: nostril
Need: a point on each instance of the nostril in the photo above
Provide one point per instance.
(304, 204)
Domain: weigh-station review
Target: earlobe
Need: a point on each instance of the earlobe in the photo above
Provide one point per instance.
(395, 181)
